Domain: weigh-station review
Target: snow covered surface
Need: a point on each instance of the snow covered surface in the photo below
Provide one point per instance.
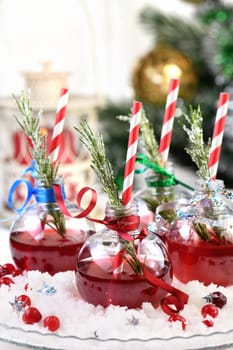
(85, 326)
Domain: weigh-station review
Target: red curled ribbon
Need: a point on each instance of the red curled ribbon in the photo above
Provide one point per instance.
(177, 298)
(125, 223)
(60, 201)
(122, 225)
(170, 304)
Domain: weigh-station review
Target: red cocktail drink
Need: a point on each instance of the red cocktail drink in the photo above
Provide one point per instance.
(99, 286)
(202, 261)
(52, 253)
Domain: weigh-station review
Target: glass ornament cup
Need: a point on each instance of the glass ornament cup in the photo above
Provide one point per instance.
(108, 267)
(199, 237)
(160, 188)
(42, 238)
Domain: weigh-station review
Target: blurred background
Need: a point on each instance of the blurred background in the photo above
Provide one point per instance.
(108, 53)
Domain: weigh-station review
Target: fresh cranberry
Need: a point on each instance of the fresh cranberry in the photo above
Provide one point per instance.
(3, 271)
(25, 300)
(6, 280)
(208, 323)
(209, 310)
(176, 317)
(17, 272)
(9, 267)
(52, 323)
(217, 298)
(31, 315)
(26, 287)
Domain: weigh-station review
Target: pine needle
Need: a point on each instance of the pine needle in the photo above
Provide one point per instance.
(174, 31)
(148, 139)
(37, 146)
(99, 161)
(197, 149)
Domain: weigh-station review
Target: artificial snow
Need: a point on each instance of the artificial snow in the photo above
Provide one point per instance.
(84, 325)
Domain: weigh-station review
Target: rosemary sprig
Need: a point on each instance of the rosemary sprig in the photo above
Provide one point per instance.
(197, 149)
(103, 169)
(44, 168)
(148, 139)
(37, 146)
(99, 162)
(133, 261)
(199, 152)
(151, 149)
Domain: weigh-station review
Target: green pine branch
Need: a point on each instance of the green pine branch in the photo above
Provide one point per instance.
(197, 149)
(37, 146)
(99, 161)
(148, 139)
(173, 30)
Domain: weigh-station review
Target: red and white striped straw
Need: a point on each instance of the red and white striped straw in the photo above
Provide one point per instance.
(129, 173)
(131, 152)
(54, 148)
(216, 144)
(168, 120)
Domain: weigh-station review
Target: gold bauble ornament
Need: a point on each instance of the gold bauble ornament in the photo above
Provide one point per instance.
(152, 74)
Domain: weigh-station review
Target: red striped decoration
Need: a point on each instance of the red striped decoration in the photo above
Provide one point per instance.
(131, 152)
(217, 137)
(168, 120)
(54, 149)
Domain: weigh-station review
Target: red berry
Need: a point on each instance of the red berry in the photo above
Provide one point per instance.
(176, 317)
(208, 323)
(9, 267)
(17, 272)
(25, 300)
(6, 280)
(52, 323)
(3, 271)
(26, 287)
(31, 315)
(209, 309)
(217, 298)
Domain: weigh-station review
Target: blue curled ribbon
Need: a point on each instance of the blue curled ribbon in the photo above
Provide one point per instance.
(31, 169)
(12, 191)
(42, 194)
